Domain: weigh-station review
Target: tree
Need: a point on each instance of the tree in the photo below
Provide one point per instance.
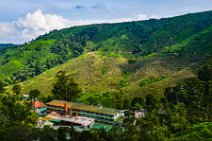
(2, 89)
(62, 133)
(3, 119)
(65, 87)
(16, 89)
(47, 134)
(87, 136)
(149, 131)
(194, 94)
(33, 94)
(151, 102)
(118, 100)
(115, 134)
(137, 102)
(131, 129)
(179, 118)
(205, 73)
(15, 133)
(126, 103)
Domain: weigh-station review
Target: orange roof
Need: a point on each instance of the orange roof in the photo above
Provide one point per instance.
(45, 118)
(90, 108)
(55, 114)
(50, 115)
(37, 104)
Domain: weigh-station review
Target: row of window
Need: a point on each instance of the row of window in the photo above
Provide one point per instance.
(81, 111)
(101, 118)
(95, 114)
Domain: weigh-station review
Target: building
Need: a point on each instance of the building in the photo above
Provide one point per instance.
(140, 113)
(40, 107)
(53, 118)
(99, 113)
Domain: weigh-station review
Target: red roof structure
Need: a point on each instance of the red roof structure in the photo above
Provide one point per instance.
(37, 104)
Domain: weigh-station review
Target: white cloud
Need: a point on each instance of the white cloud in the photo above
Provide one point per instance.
(5, 28)
(142, 17)
(31, 26)
(86, 22)
(37, 23)
(153, 17)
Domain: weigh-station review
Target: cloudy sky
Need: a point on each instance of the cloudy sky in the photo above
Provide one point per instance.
(23, 20)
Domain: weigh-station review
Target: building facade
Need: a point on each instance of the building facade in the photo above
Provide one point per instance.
(99, 113)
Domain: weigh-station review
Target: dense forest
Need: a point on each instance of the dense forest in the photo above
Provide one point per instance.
(183, 113)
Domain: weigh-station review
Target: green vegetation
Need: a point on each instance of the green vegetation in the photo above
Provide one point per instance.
(65, 88)
(151, 80)
(16, 89)
(183, 34)
(182, 113)
(154, 54)
(2, 89)
(5, 47)
(33, 94)
(87, 72)
(163, 66)
(195, 132)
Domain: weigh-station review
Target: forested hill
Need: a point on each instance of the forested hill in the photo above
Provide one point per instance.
(3, 47)
(7, 45)
(187, 34)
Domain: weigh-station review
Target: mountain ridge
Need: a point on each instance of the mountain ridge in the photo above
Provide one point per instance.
(147, 56)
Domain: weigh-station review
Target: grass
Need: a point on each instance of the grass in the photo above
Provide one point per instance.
(85, 70)
(98, 74)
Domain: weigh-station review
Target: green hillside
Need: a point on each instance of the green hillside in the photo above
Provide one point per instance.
(137, 58)
(183, 34)
(99, 74)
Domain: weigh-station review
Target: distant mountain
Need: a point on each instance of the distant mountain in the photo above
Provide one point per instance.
(7, 45)
(4, 47)
(144, 56)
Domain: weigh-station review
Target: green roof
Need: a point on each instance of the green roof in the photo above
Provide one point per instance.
(106, 127)
(55, 120)
(84, 107)
(42, 109)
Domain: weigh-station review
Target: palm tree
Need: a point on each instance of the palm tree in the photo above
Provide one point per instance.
(33, 94)
(16, 89)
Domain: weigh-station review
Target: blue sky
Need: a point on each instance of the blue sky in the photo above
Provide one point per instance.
(23, 20)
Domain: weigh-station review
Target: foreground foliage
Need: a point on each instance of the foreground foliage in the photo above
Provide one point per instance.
(183, 113)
